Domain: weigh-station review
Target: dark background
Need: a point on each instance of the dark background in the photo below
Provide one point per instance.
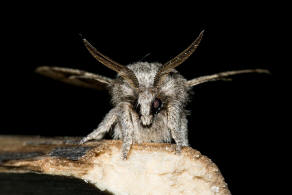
(234, 123)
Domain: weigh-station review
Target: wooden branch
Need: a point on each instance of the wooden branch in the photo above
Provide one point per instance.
(152, 168)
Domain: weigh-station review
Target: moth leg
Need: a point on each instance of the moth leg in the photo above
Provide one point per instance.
(127, 128)
(174, 124)
(127, 143)
(184, 130)
(103, 127)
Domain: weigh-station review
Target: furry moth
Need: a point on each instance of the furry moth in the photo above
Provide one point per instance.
(148, 99)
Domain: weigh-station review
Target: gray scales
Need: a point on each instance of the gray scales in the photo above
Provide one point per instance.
(149, 99)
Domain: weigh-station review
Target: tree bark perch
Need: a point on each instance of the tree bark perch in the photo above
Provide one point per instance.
(151, 168)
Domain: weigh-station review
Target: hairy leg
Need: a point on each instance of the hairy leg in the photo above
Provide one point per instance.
(184, 130)
(103, 127)
(127, 128)
(174, 125)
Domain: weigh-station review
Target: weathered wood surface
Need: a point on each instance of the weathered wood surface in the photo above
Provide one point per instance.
(60, 166)
(21, 179)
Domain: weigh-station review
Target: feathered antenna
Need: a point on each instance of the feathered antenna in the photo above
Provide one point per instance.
(123, 71)
(179, 59)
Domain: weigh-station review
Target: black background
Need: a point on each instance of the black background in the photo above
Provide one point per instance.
(234, 123)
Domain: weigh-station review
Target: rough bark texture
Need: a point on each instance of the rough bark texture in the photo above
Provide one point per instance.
(151, 168)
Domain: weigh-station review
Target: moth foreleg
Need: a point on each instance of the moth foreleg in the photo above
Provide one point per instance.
(127, 143)
(103, 127)
(184, 130)
(174, 125)
(127, 128)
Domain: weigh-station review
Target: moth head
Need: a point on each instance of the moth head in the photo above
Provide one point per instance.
(144, 94)
(148, 105)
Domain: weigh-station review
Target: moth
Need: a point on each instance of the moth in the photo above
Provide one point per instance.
(148, 99)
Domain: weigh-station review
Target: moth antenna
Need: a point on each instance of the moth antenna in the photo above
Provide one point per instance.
(179, 59)
(223, 76)
(123, 71)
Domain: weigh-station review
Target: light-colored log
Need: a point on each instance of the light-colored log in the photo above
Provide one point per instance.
(151, 168)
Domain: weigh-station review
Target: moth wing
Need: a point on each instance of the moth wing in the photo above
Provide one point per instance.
(222, 76)
(75, 77)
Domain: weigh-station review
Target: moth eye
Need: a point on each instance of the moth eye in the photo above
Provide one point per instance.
(156, 105)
